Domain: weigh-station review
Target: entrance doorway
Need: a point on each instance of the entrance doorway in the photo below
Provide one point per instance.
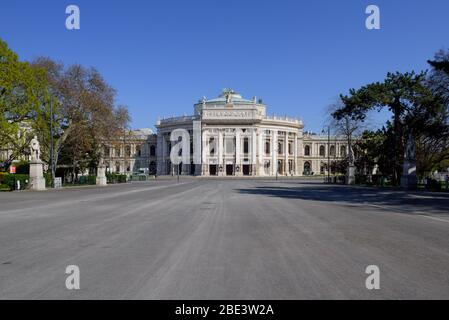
(213, 170)
(246, 170)
(229, 170)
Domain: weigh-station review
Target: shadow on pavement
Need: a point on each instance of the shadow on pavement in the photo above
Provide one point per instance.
(436, 203)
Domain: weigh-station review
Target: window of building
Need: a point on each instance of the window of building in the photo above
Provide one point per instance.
(117, 167)
(332, 151)
(212, 147)
(307, 169)
(280, 148)
(322, 151)
(343, 151)
(152, 151)
(307, 150)
(267, 147)
(245, 145)
(290, 148)
(128, 151)
(138, 151)
(230, 145)
(266, 167)
(107, 151)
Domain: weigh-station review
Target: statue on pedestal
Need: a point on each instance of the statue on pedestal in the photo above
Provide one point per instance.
(409, 178)
(37, 181)
(350, 176)
(35, 149)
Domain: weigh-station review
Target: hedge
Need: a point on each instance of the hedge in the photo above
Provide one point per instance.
(115, 178)
(9, 180)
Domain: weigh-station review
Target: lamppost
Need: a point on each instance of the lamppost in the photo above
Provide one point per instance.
(328, 152)
(52, 156)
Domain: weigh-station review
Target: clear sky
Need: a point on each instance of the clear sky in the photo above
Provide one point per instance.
(298, 56)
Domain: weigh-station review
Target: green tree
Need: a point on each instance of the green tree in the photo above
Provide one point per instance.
(23, 92)
(408, 99)
(86, 116)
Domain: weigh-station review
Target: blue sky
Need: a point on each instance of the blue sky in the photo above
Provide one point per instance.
(298, 56)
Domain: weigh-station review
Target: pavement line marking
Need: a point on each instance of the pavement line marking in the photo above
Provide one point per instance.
(90, 198)
(419, 213)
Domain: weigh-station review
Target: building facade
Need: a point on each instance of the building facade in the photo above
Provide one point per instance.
(134, 152)
(238, 138)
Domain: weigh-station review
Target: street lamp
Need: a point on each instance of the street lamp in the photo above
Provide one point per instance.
(52, 156)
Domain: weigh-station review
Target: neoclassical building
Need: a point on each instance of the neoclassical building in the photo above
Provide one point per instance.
(239, 138)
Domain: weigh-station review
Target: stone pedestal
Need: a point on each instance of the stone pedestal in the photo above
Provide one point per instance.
(408, 179)
(101, 176)
(37, 181)
(350, 176)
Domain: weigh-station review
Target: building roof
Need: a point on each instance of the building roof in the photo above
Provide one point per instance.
(228, 95)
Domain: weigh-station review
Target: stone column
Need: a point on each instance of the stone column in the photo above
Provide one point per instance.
(261, 154)
(286, 154)
(238, 161)
(197, 148)
(254, 152)
(295, 154)
(274, 152)
(159, 154)
(220, 154)
(204, 151)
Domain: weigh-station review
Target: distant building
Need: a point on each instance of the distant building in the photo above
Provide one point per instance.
(134, 152)
(238, 138)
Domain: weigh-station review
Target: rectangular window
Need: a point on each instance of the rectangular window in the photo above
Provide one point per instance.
(245, 145)
(212, 147)
(230, 145)
(267, 147)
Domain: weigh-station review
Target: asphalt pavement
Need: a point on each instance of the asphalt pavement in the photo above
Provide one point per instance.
(224, 239)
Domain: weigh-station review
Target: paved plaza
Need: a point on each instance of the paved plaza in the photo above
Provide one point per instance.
(224, 239)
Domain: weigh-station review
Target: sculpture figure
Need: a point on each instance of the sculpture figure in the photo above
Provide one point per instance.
(35, 149)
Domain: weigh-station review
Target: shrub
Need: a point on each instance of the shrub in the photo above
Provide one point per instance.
(116, 178)
(91, 179)
(2, 176)
(11, 179)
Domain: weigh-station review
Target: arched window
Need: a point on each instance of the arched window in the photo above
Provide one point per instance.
(322, 168)
(152, 167)
(332, 151)
(322, 151)
(307, 168)
(267, 147)
(128, 151)
(152, 151)
(307, 150)
(343, 151)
